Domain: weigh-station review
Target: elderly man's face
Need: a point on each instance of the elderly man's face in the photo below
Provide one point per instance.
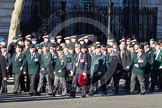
(73, 40)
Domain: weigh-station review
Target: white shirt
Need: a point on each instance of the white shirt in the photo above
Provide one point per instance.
(157, 54)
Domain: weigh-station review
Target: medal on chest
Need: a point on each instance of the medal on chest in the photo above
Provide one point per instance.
(140, 60)
(62, 61)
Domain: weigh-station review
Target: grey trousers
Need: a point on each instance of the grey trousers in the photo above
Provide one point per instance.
(16, 83)
(32, 83)
(141, 81)
(62, 82)
(41, 83)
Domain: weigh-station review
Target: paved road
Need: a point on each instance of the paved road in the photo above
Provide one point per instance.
(125, 101)
(121, 101)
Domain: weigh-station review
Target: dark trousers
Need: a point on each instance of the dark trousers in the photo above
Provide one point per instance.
(160, 79)
(146, 81)
(24, 85)
(94, 82)
(154, 78)
(32, 83)
(147, 73)
(116, 78)
(127, 77)
(3, 84)
(16, 83)
(74, 85)
(36, 82)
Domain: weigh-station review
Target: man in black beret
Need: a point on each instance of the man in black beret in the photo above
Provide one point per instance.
(137, 66)
(60, 67)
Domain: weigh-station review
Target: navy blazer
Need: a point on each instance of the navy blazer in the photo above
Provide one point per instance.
(80, 64)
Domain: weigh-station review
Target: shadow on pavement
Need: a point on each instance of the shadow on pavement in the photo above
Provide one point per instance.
(4, 98)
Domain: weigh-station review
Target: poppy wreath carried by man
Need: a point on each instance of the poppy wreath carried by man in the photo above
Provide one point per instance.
(82, 80)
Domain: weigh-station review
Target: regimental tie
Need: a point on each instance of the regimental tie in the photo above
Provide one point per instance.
(32, 55)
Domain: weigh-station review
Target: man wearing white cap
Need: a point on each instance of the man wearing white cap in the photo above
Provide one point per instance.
(59, 40)
(110, 42)
(28, 37)
(87, 40)
(45, 42)
(73, 41)
(67, 41)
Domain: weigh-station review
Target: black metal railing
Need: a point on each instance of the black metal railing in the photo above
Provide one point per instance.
(125, 20)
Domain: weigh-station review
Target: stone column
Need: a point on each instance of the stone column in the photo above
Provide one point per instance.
(15, 20)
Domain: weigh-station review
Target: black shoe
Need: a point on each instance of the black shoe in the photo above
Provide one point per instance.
(38, 94)
(142, 93)
(83, 96)
(159, 90)
(91, 94)
(72, 95)
(34, 94)
(15, 93)
(152, 90)
(132, 93)
(115, 92)
(3, 92)
(64, 95)
(104, 94)
(49, 93)
(31, 94)
(26, 90)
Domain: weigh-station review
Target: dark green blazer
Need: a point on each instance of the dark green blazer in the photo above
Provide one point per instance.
(32, 63)
(17, 63)
(45, 62)
(61, 65)
(157, 62)
(141, 61)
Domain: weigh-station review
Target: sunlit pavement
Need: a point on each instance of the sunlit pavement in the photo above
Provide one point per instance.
(153, 100)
